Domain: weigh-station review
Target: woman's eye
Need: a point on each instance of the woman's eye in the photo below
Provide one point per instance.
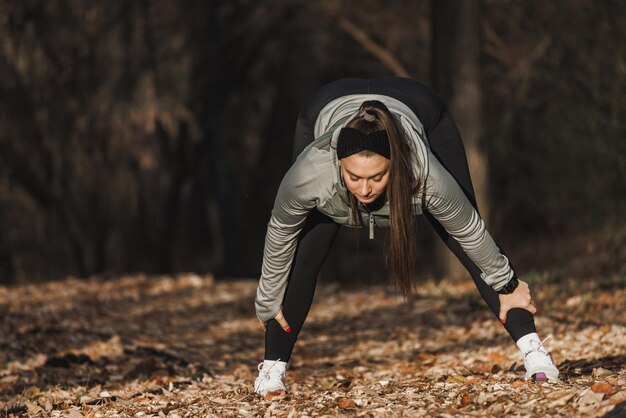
(354, 178)
(377, 179)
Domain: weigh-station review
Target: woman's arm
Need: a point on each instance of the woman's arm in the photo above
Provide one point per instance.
(297, 195)
(448, 204)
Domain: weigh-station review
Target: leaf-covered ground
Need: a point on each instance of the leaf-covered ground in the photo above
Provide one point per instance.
(189, 346)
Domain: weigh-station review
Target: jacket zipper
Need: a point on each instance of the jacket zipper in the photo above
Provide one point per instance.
(371, 221)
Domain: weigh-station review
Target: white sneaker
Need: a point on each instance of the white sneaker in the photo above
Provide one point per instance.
(271, 377)
(539, 365)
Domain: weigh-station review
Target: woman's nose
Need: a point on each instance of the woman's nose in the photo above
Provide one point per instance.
(365, 189)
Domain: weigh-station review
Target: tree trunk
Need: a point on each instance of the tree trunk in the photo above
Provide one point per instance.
(456, 75)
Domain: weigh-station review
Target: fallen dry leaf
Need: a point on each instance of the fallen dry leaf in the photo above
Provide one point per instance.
(276, 395)
(602, 387)
(33, 408)
(456, 379)
(327, 385)
(497, 358)
(464, 399)
(588, 396)
(346, 403)
(559, 397)
(600, 372)
(426, 359)
(31, 391)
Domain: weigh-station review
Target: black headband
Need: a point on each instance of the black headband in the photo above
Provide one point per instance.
(352, 141)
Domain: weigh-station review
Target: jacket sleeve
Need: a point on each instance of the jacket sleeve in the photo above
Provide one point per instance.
(297, 195)
(448, 204)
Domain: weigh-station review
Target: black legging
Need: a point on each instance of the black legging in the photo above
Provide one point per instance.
(319, 231)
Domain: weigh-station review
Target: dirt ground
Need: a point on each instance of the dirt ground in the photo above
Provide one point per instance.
(189, 346)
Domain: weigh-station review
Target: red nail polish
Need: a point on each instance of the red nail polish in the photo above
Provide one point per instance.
(502, 322)
(288, 329)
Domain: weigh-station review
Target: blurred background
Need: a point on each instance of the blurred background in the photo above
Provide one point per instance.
(151, 136)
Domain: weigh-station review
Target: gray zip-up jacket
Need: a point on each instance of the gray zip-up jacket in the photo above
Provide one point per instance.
(314, 181)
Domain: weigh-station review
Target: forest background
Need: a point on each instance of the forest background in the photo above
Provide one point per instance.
(151, 136)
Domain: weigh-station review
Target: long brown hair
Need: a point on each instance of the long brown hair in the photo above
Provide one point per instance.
(401, 248)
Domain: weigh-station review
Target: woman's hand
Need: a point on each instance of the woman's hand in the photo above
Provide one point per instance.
(520, 298)
(281, 321)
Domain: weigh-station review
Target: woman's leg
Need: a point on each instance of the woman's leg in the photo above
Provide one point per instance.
(313, 247)
(447, 146)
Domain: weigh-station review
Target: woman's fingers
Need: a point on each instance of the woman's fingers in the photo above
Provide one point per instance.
(280, 318)
(504, 308)
(520, 298)
(530, 305)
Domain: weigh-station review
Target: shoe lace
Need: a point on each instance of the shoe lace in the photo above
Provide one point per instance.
(538, 346)
(265, 374)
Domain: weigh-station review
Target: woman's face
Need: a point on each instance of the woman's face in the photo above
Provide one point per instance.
(366, 177)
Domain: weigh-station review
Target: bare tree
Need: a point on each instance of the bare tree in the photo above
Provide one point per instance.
(456, 75)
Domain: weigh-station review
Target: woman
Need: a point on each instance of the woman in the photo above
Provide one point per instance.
(374, 153)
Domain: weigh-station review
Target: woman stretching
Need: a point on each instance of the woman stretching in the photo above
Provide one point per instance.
(374, 153)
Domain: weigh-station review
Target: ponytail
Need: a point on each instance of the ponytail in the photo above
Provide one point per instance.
(401, 248)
